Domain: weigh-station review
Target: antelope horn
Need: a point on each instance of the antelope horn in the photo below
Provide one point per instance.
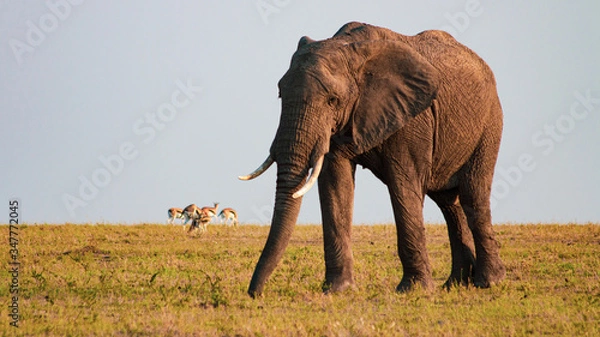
(312, 179)
(260, 170)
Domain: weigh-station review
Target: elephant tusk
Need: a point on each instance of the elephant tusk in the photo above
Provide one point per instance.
(311, 179)
(260, 170)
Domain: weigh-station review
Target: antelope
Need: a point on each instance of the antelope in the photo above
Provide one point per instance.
(191, 212)
(174, 213)
(229, 214)
(211, 211)
(200, 222)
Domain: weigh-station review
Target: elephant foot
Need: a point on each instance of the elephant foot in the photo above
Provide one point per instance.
(489, 274)
(458, 278)
(462, 270)
(410, 283)
(337, 286)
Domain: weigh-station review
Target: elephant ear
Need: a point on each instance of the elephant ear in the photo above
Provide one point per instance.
(395, 83)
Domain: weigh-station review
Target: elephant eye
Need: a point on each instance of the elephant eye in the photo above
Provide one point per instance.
(333, 101)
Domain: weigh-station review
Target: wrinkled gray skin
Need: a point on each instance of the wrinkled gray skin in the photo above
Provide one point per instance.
(422, 113)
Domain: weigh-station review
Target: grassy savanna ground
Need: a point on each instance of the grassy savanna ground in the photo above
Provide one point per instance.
(155, 280)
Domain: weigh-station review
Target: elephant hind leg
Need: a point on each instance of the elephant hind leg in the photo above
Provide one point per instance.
(461, 239)
(475, 185)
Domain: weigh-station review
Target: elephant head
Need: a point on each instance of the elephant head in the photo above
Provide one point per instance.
(344, 92)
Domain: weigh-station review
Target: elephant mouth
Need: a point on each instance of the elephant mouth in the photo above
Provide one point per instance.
(312, 176)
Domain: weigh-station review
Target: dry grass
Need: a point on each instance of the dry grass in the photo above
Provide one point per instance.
(155, 280)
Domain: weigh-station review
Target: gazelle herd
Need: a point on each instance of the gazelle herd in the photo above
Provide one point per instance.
(202, 216)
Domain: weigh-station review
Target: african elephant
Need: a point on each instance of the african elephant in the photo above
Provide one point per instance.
(422, 113)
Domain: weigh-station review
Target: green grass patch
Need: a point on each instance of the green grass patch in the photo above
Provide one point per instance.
(156, 280)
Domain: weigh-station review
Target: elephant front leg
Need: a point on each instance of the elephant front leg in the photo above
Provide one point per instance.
(407, 204)
(336, 195)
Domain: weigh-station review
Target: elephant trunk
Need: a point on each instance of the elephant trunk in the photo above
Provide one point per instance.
(285, 214)
(298, 145)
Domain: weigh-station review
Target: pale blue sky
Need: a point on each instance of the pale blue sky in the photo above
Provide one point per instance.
(114, 111)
